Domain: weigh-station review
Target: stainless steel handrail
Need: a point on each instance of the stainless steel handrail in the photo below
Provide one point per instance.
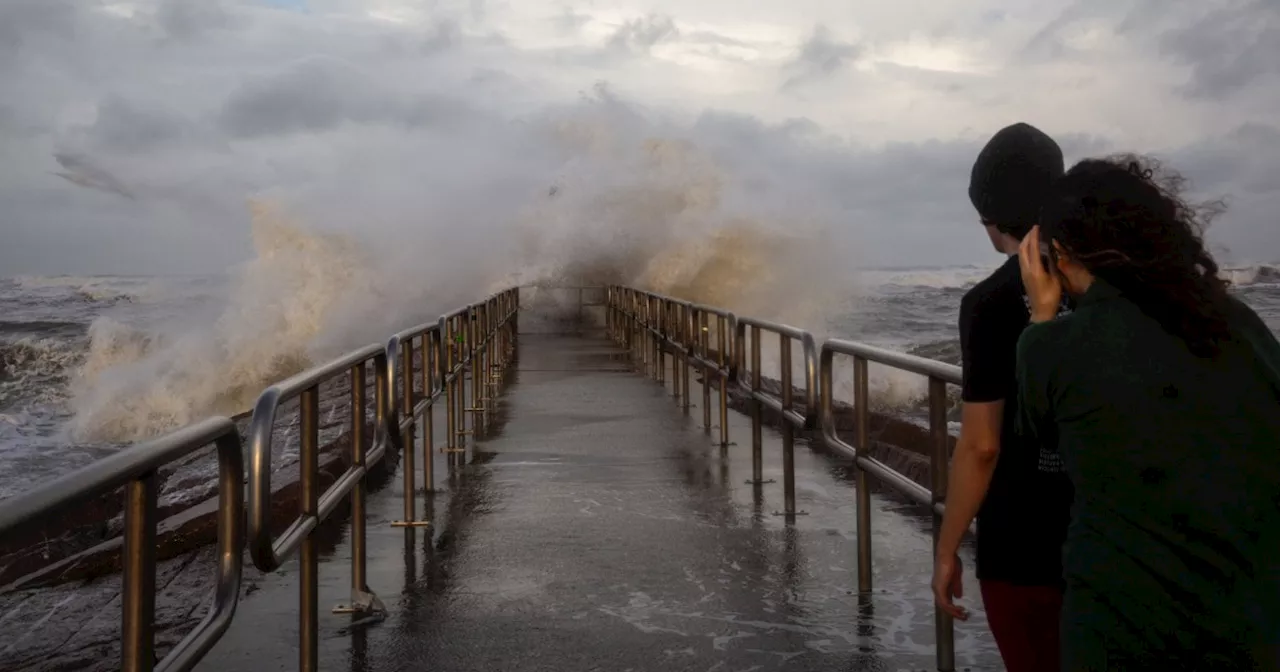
(135, 468)
(628, 314)
(399, 353)
(666, 325)
(939, 376)
(642, 321)
(491, 325)
(267, 553)
(487, 352)
(722, 366)
(478, 338)
(783, 404)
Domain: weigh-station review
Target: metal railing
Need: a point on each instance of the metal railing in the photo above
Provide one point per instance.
(475, 330)
(135, 468)
(627, 319)
(939, 375)
(783, 403)
(267, 553)
(652, 325)
(478, 339)
(573, 318)
(641, 321)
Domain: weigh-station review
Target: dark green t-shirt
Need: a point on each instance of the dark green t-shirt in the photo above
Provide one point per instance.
(1173, 550)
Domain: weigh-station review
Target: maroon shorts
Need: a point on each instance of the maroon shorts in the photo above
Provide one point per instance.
(1024, 621)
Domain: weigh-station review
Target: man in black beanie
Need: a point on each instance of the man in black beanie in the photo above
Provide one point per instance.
(1018, 491)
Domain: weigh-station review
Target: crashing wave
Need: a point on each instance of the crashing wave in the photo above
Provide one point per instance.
(1260, 274)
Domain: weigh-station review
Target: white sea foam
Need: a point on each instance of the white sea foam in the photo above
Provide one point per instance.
(628, 202)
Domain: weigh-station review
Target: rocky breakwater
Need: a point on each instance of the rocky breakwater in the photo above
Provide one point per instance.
(897, 441)
(60, 583)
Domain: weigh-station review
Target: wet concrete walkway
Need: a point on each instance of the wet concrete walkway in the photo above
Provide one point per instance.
(599, 528)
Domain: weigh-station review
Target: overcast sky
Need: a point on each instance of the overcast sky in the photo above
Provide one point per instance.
(134, 134)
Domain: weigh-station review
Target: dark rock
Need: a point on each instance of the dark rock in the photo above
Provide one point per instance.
(84, 542)
(900, 444)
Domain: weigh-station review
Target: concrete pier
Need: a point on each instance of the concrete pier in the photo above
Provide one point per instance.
(597, 527)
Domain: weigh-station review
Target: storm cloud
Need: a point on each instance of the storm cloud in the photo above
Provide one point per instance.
(135, 133)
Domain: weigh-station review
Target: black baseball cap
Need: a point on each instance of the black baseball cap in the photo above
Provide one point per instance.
(1012, 177)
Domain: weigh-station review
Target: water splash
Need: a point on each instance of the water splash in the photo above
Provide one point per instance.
(136, 383)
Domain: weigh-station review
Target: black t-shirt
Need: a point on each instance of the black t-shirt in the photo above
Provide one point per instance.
(1023, 520)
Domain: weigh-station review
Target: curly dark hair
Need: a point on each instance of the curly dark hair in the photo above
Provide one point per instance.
(1122, 218)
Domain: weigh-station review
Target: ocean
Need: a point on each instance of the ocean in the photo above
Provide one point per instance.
(89, 364)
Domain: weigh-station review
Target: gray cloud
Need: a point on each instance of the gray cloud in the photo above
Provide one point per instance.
(187, 19)
(25, 23)
(122, 126)
(405, 135)
(821, 55)
(317, 94)
(639, 35)
(570, 21)
(80, 170)
(1230, 48)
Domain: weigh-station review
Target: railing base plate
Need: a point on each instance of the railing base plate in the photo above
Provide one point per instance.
(364, 603)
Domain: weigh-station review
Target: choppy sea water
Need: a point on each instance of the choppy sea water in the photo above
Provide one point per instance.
(62, 338)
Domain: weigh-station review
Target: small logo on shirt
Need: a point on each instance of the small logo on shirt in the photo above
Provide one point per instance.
(1064, 307)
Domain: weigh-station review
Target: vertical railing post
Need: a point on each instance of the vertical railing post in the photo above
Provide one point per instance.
(308, 563)
(704, 355)
(723, 326)
(492, 367)
(139, 581)
(432, 342)
(637, 338)
(643, 325)
(458, 398)
(362, 599)
(358, 552)
(515, 315)
(485, 373)
(671, 311)
(861, 401)
(757, 411)
(486, 367)
(690, 348)
(938, 463)
(446, 380)
(430, 339)
(410, 433)
(788, 429)
(660, 347)
(473, 350)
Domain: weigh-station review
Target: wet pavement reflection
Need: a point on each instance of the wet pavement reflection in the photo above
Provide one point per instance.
(596, 527)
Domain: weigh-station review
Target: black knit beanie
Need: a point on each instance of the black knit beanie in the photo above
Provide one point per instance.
(1012, 177)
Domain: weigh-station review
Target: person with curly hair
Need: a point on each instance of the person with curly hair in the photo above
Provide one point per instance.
(1161, 393)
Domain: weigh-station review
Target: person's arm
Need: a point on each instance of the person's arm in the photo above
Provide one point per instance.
(987, 357)
(987, 360)
(974, 461)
